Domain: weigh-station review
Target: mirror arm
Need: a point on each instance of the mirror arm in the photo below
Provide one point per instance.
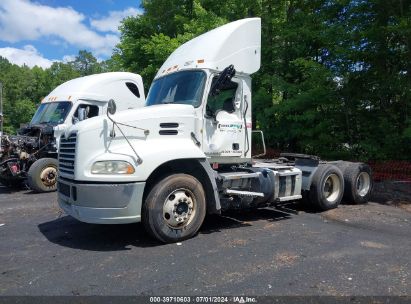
(139, 159)
(112, 132)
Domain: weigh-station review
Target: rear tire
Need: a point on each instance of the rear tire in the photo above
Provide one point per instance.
(358, 183)
(175, 208)
(42, 175)
(327, 187)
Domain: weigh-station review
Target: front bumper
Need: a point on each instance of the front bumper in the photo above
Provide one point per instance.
(114, 203)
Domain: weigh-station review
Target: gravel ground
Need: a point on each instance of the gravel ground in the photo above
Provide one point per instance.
(352, 250)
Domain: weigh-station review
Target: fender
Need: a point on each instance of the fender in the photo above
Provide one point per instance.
(198, 168)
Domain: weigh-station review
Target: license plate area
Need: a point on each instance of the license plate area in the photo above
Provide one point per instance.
(63, 189)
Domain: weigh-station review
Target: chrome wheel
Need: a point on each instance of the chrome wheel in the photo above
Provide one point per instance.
(363, 183)
(332, 187)
(179, 208)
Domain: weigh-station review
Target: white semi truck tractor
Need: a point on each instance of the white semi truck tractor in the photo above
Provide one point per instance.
(31, 155)
(188, 151)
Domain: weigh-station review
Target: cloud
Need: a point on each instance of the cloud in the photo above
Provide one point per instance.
(112, 21)
(28, 56)
(68, 58)
(25, 20)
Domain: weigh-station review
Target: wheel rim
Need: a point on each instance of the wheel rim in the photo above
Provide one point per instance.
(179, 208)
(332, 187)
(48, 176)
(363, 184)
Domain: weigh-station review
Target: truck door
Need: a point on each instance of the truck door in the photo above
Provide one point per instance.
(224, 129)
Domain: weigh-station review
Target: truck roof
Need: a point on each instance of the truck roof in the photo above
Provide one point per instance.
(98, 86)
(237, 43)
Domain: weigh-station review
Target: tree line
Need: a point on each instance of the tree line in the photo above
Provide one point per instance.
(335, 78)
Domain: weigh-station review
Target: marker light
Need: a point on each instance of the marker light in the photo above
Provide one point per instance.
(112, 167)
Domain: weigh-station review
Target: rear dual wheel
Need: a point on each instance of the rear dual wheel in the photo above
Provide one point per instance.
(327, 187)
(174, 208)
(358, 182)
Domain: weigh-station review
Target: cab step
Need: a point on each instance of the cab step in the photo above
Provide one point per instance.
(237, 180)
(244, 193)
(239, 175)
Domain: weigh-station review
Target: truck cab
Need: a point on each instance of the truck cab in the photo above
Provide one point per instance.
(32, 154)
(188, 151)
(86, 97)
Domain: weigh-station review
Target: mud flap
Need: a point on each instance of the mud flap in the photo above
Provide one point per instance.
(213, 203)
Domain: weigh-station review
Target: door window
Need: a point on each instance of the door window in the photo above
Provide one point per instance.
(224, 101)
(133, 89)
(85, 111)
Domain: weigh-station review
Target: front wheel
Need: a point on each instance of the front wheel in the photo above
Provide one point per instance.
(174, 208)
(42, 175)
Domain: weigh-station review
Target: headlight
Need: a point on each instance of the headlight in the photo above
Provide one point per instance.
(112, 167)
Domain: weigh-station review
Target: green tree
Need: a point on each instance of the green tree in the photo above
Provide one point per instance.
(59, 73)
(85, 63)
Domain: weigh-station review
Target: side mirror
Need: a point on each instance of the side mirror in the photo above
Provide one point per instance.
(81, 113)
(225, 76)
(111, 107)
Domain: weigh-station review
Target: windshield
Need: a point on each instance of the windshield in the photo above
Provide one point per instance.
(184, 87)
(52, 112)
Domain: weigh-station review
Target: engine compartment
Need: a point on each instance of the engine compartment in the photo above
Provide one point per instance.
(19, 151)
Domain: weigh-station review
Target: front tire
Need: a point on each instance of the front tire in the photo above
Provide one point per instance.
(42, 175)
(175, 208)
(327, 187)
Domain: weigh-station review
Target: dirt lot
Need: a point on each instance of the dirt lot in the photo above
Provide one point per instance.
(352, 250)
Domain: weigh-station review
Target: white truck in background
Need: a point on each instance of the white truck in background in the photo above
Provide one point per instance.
(32, 154)
(188, 151)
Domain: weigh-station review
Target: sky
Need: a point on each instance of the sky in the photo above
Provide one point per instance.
(39, 32)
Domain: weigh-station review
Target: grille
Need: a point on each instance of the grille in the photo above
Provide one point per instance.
(67, 155)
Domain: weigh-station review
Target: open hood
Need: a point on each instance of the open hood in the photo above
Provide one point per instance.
(237, 43)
